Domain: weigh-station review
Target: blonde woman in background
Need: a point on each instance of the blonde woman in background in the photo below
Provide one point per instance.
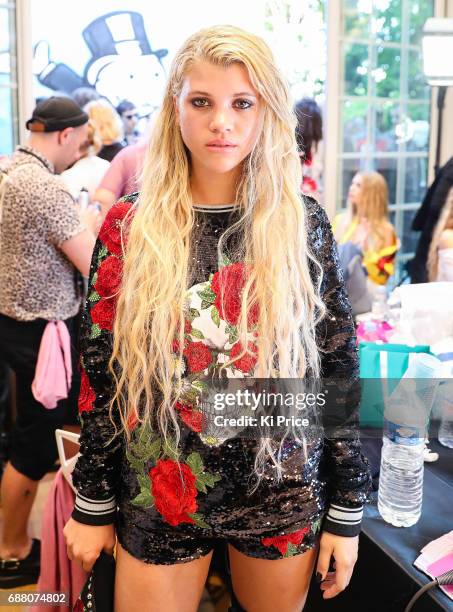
(366, 224)
(219, 265)
(440, 256)
(88, 171)
(108, 124)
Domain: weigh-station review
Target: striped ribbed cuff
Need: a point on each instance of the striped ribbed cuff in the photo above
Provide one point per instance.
(94, 511)
(343, 521)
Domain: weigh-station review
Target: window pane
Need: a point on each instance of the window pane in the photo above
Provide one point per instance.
(387, 73)
(6, 126)
(356, 18)
(409, 239)
(418, 87)
(417, 120)
(387, 20)
(415, 179)
(354, 125)
(356, 70)
(349, 168)
(388, 168)
(420, 10)
(5, 63)
(387, 118)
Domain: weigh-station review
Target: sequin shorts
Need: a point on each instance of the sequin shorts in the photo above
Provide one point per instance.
(162, 521)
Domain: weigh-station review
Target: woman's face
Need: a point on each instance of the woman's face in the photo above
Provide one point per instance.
(355, 190)
(219, 114)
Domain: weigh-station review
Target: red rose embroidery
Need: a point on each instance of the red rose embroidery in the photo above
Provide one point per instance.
(174, 491)
(109, 277)
(86, 395)
(132, 421)
(248, 362)
(198, 356)
(281, 542)
(110, 233)
(232, 279)
(103, 313)
(192, 418)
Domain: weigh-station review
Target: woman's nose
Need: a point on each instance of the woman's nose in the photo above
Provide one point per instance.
(221, 122)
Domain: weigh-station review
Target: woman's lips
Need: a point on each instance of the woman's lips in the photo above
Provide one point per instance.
(221, 148)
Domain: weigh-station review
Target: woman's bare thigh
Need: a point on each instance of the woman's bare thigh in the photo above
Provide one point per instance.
(262, 585)
(145, 587)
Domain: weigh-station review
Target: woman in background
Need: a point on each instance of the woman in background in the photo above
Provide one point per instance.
(88, 171)
(366, 224)
(108, 124)
(440, 256)
(308, 137)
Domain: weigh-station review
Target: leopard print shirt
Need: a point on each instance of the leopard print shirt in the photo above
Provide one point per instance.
(36, 278)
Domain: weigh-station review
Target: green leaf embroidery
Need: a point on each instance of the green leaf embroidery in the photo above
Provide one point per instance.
(144, 499)
(95, 278)
(193, 314)
(200, 485)
(215, 316)
(94, 296)
(199, 520)
(199, 384)
(291, 550)
(135, 463)
(207, 294)
(316, 526)
(196, 333)
(205, 304)
(195, 462)
(210, 479)
(170, 450)
(95, 331)
(154, 449)
(225, 260)
(102, 253)
(143, 481)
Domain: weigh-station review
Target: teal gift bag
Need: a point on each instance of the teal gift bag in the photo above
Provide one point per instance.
(381, 367)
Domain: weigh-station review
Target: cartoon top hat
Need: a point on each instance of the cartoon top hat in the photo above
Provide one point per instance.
(115, 34)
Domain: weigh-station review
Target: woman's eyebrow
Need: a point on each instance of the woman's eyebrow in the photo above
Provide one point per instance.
(207, 94)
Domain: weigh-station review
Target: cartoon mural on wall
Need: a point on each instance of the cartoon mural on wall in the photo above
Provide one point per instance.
(122, 63)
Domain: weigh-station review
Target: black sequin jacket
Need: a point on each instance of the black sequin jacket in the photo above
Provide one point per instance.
(99, 474)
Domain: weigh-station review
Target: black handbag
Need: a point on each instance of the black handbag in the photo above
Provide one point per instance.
(97, 593)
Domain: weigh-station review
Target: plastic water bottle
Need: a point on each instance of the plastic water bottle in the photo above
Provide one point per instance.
(405, 424)
(445, 402)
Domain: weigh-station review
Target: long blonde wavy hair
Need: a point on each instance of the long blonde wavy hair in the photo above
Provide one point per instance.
(445, 222)
(374, 206)
(151, 304)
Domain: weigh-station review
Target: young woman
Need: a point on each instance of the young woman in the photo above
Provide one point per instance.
(108, 125)
(366, 224)
(440, 256)
(217, 264)
(308, 137)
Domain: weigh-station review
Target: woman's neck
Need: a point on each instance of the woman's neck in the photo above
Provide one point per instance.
(213, 189)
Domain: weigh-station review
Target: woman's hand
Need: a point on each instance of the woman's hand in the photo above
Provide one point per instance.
(344, 551)
(85, 542)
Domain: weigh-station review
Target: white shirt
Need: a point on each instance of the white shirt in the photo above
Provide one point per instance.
(86, 173)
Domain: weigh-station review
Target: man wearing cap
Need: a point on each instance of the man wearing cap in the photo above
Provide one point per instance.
(44, 243)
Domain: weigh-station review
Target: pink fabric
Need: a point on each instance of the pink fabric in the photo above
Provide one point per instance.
(58, 573)
(53, 372)
(122, 176)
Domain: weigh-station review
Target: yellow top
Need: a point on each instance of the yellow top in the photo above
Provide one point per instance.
(380, 264)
